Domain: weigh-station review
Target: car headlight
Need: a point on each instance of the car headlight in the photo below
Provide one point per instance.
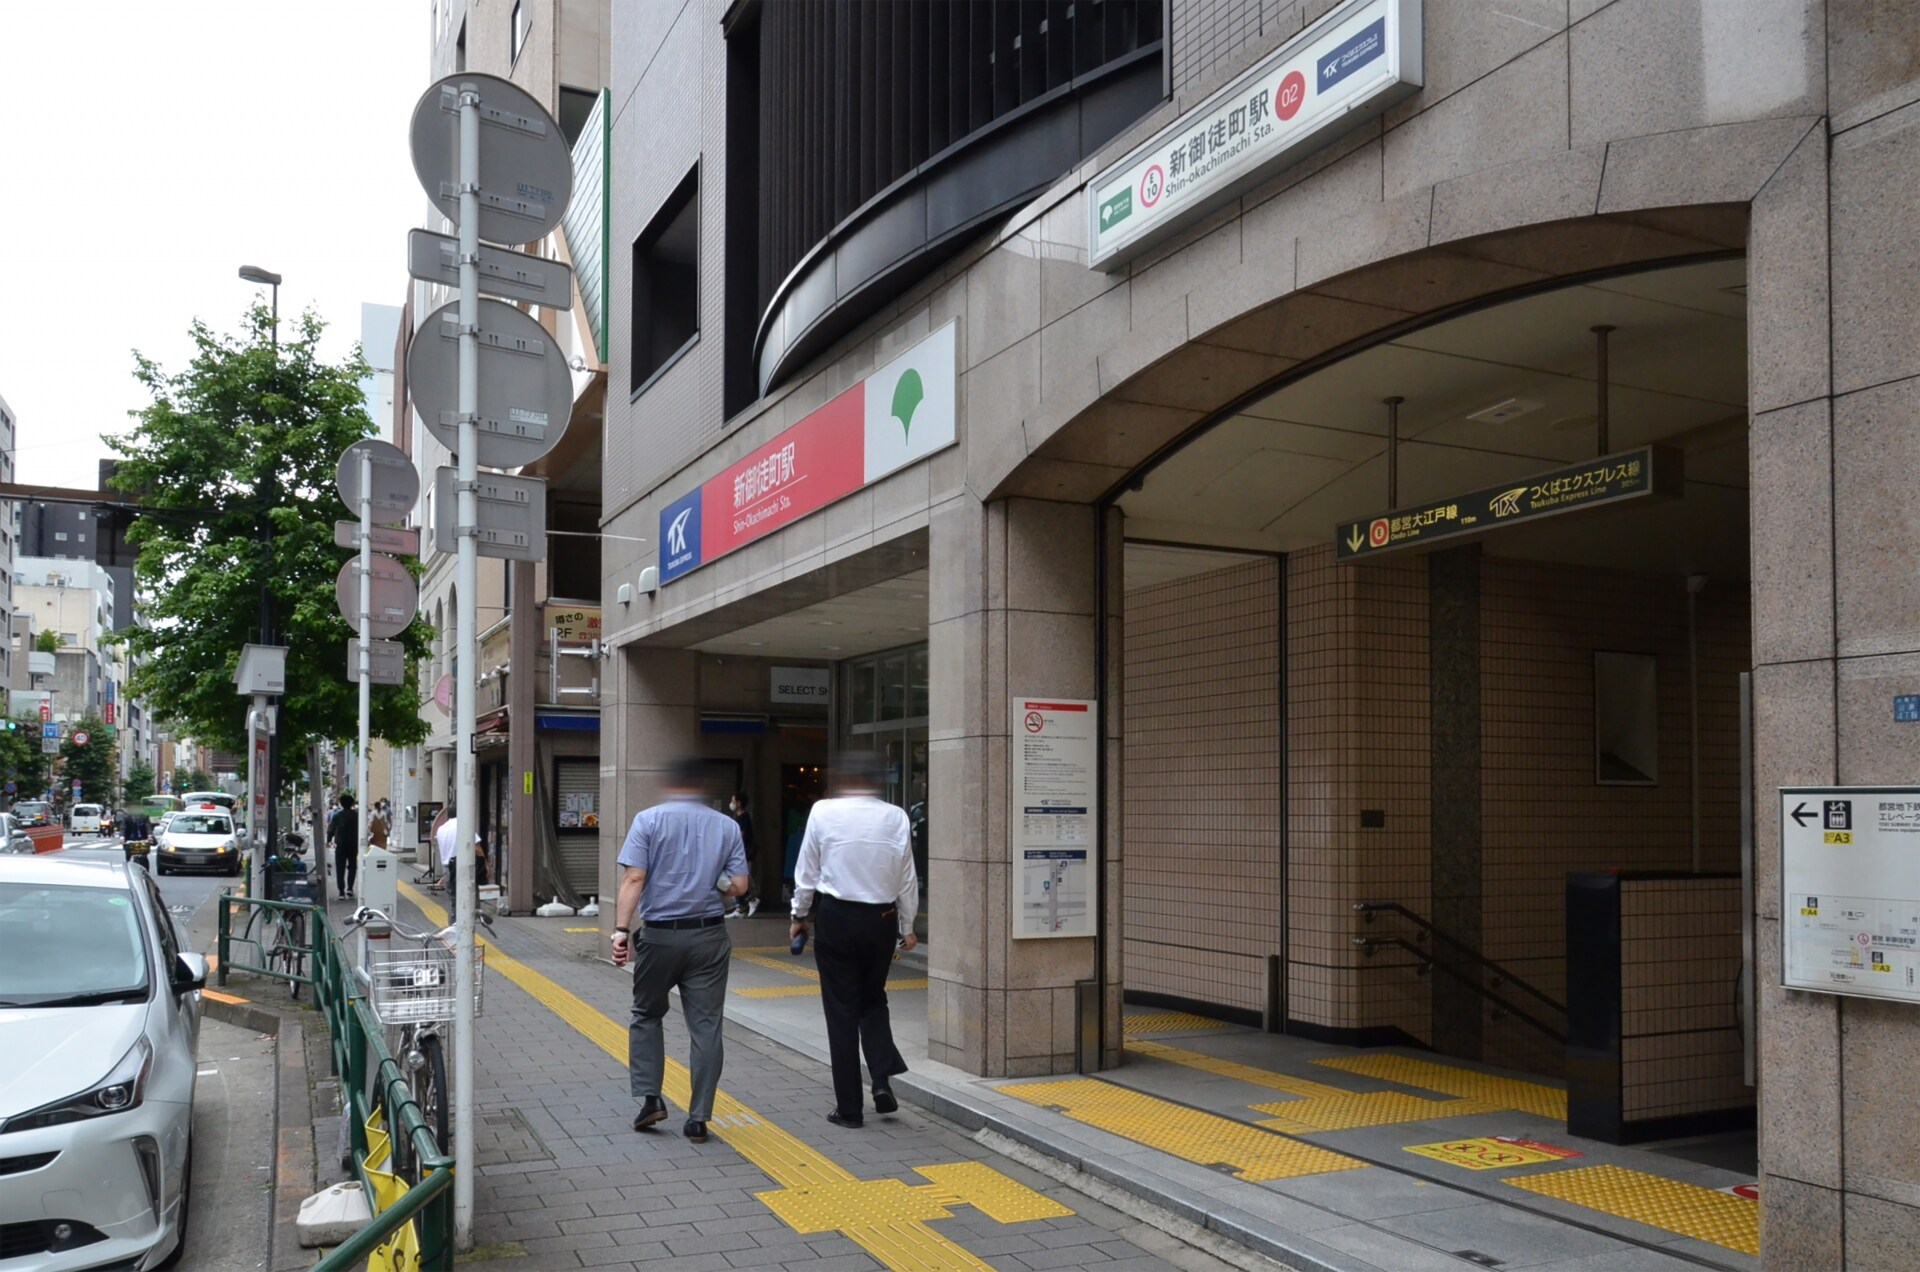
(228, 846)
(120, 1090)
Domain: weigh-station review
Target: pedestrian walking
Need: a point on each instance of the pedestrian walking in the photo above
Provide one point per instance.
(682, 860)
(737, 809)
(856, 881)
(446, 842)
(343, 839)
(378, 825)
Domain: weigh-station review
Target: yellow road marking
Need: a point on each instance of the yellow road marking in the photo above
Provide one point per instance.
(1505, 1093)
(1168, 1022)
(787, 965)
(1319, 1107)
(1688, 1209)
(815, 1189)
(1189, 1134)
(591, 929)
(1302, 1087)
(813, 991)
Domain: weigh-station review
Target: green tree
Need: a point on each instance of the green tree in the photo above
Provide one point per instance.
(198, 780)
(139, 783)
(47, 642)
(21, 758)
(233, 462)
(94, 763)
(180, 780)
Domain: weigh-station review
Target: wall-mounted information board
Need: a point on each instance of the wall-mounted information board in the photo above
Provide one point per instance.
(1850, 890)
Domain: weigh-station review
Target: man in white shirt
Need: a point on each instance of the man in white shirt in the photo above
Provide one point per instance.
(446, 841)
(856, 880)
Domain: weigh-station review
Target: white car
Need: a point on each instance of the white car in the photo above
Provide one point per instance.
(88, 819)
(99, 1021)
(199, 837)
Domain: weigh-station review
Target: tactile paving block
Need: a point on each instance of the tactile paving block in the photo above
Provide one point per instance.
(1306, 1088)
(1372, 1108)
(1467, 1084)
(1687, 1209)
(865, 1202)
(1168, 1022)
(994, 1195)
(1205, 1139)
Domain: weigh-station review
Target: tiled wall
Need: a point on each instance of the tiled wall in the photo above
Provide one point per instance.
(1542, 813)
(1680, 1038)
(1202, 795)
(1208, 33)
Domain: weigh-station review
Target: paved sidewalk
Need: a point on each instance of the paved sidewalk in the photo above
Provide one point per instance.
(564, 1182)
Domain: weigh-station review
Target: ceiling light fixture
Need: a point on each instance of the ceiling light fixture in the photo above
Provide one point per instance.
(1506, 409)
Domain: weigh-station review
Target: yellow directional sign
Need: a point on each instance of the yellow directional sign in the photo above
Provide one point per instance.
(1649, 472)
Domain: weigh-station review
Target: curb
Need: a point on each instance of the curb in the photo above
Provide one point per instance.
(238, 1011)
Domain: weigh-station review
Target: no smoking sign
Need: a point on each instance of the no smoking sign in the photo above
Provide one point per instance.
(1035, 722)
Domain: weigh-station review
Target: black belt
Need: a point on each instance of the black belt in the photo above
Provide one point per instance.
(709, 921)
(886, 906)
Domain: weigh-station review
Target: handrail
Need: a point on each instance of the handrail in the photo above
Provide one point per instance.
(1370, 908)
(1427, 960)
(359, 1049)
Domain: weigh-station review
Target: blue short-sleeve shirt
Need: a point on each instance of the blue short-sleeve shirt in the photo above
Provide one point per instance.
(683, 845)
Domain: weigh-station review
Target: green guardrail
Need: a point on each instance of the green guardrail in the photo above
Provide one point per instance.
(371, 1080)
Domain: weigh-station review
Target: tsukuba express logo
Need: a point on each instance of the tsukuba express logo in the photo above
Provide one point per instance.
(902, 413)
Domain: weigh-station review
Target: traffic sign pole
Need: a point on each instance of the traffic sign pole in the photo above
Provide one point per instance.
(365, 626)
(466, 576)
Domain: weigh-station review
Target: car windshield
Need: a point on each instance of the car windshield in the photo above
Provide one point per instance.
(67, 945)
(200, 824)
(30, 809)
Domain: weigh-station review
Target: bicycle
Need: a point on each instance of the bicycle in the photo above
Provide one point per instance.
(411, 991)
(281, 935)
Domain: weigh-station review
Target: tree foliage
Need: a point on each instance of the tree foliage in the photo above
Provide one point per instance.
(21, 758)
(139, 784)
(245, 441)
(47, 642)
(94, 764)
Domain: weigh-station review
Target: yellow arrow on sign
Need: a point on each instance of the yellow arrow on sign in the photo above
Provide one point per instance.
(1356, 540)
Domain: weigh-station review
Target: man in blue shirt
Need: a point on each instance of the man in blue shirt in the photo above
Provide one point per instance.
(682, 861)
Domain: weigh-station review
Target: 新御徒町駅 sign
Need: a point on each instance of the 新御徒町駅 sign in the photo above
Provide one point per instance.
(1343, 70)
(899, 415)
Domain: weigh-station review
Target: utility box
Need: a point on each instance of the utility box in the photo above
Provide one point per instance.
(379, 879)
(263, 669)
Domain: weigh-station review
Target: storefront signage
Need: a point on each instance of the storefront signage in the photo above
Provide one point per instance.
(1343, 70)
(900, 414)
(811, 685)
(1611, 479)
(574, 622)
(1056, 752)
(1850, 890)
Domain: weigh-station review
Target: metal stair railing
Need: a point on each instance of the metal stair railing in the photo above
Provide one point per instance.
(1447, 965)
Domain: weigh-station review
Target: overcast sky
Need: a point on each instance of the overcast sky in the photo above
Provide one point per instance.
(152, 149)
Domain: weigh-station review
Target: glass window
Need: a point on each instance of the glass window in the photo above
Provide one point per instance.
(893, 687)
(917, 684)
(57, 942)
(666, 278)
(860, 696)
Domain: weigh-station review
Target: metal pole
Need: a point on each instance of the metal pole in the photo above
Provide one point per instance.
(256, 810)
(1696, 584)
(365, 659)
(1393, 450)
(466, 578)
(1600, 391)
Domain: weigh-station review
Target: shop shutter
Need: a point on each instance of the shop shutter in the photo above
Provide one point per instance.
(577, 787)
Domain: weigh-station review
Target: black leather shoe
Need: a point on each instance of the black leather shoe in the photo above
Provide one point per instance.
(650, 1112)
(883, 1101)
(853, 1123)
(695, 1130)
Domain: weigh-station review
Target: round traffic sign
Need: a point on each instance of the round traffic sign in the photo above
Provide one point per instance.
(396, 482)
(525, 388)
(394, 595)
(80, 737)
(526, 169)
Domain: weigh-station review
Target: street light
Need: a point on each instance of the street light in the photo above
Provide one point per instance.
(254, 274)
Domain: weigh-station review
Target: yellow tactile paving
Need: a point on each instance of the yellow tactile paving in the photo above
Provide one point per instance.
(1370, 1108)
(1686, 1209)
(785, 963)
(1467, 1084)
(1319, 1107)
(1167, 1022)
(878, 1215)
(979, 1185)
(813, 991)
(1202, 1138)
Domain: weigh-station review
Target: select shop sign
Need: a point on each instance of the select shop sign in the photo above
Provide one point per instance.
(1343, 70)
(897, 416)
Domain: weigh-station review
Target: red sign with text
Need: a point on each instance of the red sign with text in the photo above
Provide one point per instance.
(817, 461)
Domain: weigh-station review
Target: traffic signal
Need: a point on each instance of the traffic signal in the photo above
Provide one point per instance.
(12, 725)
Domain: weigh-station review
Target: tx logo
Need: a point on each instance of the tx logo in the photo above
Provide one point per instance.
(677, 532)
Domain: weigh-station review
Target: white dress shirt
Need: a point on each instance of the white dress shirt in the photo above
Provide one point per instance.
(447, 840)
(858, 849)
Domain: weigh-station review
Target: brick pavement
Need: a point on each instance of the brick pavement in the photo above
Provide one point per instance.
(564, 1182)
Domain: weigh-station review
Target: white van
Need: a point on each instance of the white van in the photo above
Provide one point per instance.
(88, 819)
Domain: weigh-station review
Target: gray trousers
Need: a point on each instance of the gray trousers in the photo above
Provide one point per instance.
(693, 960)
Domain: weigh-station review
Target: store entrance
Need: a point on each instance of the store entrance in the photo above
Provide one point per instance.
(882, 707)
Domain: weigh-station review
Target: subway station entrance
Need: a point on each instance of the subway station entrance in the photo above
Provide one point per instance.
(1382, 741)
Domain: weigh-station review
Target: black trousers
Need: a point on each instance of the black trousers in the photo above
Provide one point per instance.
(346, 871)
(853, 947)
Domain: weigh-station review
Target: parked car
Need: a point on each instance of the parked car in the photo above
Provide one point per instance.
(221, 798)
(33, 812)
(11, 839)
(100, 1015)
(199, 837)
(87, 819)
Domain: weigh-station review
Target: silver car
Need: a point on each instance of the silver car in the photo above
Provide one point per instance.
(99, 1020)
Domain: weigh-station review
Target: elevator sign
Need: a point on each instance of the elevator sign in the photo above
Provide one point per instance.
(1850, 891)
(1343, 70)
(1651, 471)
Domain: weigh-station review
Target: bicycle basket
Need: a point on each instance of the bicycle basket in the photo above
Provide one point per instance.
(414, 983)
(300, 890)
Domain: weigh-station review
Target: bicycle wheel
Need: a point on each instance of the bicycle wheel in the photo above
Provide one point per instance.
(430, 1088)
(294, 951)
